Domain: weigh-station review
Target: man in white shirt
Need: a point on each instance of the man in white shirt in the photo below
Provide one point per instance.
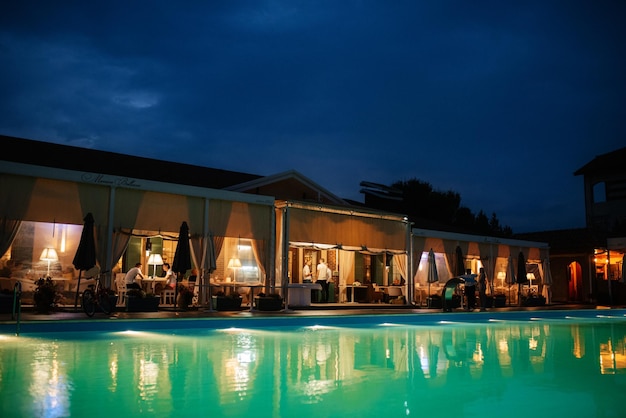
(307, 275)
(322, 279)
(131, 277)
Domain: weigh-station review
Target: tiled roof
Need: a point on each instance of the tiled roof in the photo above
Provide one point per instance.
(67, 157)
(608, 163)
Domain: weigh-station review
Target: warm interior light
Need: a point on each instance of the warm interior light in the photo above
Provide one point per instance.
(234, 263)
(49, 254)
(63, 238)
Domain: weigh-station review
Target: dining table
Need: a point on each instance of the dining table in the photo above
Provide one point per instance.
(148, 283)
(231, 287)
(353, 291)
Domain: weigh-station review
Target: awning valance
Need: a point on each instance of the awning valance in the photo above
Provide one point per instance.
(346, 229)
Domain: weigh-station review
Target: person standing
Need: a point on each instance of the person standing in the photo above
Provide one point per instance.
(131, 277)
(322, 279)
(307, 274)
(482, 289)
(470, 289)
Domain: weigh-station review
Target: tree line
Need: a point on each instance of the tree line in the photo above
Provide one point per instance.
(430, 208)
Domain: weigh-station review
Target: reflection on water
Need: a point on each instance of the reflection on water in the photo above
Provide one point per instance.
(536, 369)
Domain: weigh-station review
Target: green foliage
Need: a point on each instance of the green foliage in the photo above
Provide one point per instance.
(45, 297)
(186, 294)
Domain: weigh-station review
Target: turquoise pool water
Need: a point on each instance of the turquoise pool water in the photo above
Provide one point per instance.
(569, 367)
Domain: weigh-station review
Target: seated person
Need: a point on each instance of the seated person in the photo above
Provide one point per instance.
(170, 280)
(170, 277)
(194, 276)
(131, 277)
(399, 282)
(191, 282)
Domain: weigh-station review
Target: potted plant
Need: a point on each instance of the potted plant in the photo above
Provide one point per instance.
(139, 301)
(269, 302)
(45, 298)
(224, 302)
(185, 297)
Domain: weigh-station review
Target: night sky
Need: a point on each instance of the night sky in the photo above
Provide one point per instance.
(498, 101)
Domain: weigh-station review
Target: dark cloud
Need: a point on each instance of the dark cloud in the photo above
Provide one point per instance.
(499, 102)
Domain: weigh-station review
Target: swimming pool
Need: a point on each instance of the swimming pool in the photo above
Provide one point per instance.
(463, 366)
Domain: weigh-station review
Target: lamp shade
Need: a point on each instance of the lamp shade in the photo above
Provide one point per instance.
(49, 254)
(155, 260)
(234, 263)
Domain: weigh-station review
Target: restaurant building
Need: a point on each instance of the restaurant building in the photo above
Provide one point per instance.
(245, 228)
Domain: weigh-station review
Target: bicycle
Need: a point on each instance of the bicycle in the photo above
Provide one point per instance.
(96, 296)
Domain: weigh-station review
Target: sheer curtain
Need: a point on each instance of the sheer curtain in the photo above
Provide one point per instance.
(121, 238)
(260, 255)
(8, 230)
(346, 271)
(400, 263)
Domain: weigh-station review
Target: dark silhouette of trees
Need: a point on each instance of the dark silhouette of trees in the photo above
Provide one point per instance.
(427, 207)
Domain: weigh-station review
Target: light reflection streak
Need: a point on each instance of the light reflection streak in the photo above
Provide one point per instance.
(113, 370)
(49, 388)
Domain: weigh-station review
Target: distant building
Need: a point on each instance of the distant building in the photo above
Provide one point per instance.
(605, 193)
(583, 260)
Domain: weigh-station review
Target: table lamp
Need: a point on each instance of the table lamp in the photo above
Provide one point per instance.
(49, 254)
(155, 260)
(234, 263)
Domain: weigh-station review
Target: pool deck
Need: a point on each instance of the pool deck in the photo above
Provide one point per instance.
(67, 320)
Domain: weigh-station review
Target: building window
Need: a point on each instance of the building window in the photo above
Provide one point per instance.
(599, 192)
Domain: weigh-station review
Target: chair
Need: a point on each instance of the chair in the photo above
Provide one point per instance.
(168, 296)
(244, 292)
(375, 295)
(194, 288)
(394, 292)
(120, 284)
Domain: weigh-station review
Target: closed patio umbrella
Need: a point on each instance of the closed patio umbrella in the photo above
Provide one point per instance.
(85, 257)
(547, 281)
(182, 256)
(521, 273)
(460, 265)
(433, 276)
(209, 264)
(510, 275)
